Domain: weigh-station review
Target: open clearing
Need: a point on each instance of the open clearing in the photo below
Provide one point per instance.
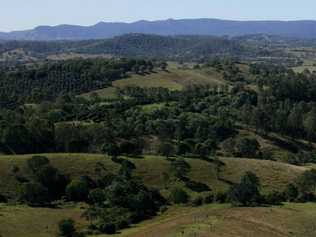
(215, 220)
(295, 220)
(173, 79)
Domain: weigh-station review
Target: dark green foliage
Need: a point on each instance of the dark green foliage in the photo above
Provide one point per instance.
(122, 202)
(179, 168)
(274, 198)
(97, 196)
(67, 228)
(246, 193)
(166, 149)
(291, 192)
(178, 196)
(77, 190)
(53, 180)
(47, 184)
(36, 163)
(242, 147)
(47, 81)
(198, 201)
(111, 149)
(209, 198)
(35, 194)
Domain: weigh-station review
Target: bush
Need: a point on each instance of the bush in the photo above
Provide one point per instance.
(34, 194)
(291, 192)
(209, 198)
(275, 198)
(3, 199)
(178, 195)
(246, 193)
(97, 196)
(67, 228)
(221, 197)
(108, 228)
(37, 162)
(198, 201)
(77, 190)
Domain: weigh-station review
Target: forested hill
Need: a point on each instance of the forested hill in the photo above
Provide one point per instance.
(131, 45)
(214, 27)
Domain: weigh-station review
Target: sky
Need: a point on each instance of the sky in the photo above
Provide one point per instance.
(27, 14)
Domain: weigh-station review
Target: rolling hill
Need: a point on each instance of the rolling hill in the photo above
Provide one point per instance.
(289, 220)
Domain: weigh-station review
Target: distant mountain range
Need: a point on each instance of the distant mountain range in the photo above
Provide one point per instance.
(209, 27)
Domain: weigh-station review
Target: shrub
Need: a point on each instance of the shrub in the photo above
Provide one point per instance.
(3, 199)
(198, 201)
(221, 197)
(34, 194)
(53, 180)
(108, 228)
(291, 192)
(246, 193)
(77, 190)
(67, 228)
(37, 162)
(178, 195)
(209, 198)
(97, 196)
(275, 198)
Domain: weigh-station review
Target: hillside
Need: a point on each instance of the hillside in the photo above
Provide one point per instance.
(176, 220)
(294, 220)
(215, 27)
(274, 175)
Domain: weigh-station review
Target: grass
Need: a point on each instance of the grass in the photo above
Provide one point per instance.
(173, 79)
(23, 221)
(273, 175)
(212, 220)
(109, 93)
(224, 221)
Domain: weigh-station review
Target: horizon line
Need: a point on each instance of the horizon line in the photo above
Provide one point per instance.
(156, 20)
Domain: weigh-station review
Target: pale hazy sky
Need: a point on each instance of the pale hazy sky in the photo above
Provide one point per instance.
(25, 14)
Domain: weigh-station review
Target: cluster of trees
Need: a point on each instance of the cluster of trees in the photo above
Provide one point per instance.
(116, 200)
(47, 81)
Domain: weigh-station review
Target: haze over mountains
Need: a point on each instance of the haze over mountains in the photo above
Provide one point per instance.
(296, 29)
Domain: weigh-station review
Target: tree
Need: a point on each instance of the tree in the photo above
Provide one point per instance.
(77, 190)
(180, 168)
(67, 228)
(310, 124)
(246, 193)
(53, 180)
(36, 163)
(178, 196)
(291, 192)
(111, 149)
(246, 147)
(166, 149)
(34, 194)
(306, 182)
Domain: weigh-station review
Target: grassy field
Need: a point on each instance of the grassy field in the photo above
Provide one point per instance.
(23, 221)
(213, 220)
(295, 220)
(273, 175)
(174, 79)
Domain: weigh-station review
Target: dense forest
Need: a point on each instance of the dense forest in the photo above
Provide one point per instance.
(179, 48)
